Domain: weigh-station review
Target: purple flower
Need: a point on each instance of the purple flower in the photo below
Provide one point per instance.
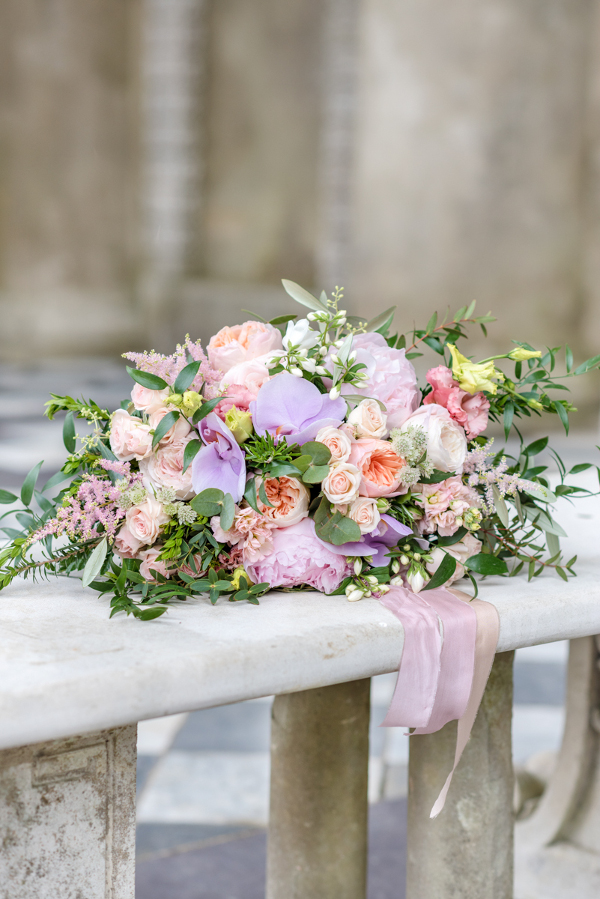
(292, 407)
(299, 557)
(221, 462)
(387, 534)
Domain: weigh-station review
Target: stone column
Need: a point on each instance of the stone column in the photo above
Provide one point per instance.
(67, 818)
(317, 845)
(467, 851)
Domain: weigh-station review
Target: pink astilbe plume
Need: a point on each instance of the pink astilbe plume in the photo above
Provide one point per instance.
(168, 367)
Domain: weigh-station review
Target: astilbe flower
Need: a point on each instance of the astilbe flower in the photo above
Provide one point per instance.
(98, 503)
(168, 367)
(482, 473)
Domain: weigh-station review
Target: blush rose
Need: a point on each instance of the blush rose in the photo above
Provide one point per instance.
(232, 346)
(130, 438)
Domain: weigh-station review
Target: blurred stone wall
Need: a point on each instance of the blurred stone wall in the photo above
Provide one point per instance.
(163, 163)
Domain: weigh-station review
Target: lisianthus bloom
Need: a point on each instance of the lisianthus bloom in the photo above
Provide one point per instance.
(463, 550)
(289, 500)
(299, 557)
(469, 411)
(287, 406)
(232, 346)
(446, 440)
(220, 463)
(522, 355)
(239, 423)
(474, 376)
(379, 467)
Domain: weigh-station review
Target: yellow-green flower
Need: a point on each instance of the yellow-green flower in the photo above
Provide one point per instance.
(239, 423)
(474, 376)
(240, 573)
(535, 405)
(522, 355)
(189, 402)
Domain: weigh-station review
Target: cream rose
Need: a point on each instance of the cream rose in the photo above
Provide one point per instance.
(148, 401)
(365, 513)
(289, 499)
(342, 483)
(130, 438)
(446, 440)
(126, 545)
(463, 550)
(145, 521)
(231, 346)
(337, 442)
(368, 419)
(180, 429)
(164, 468)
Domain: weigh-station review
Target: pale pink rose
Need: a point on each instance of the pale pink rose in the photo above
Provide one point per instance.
(463, 550)
(379, 467)
(232, 346)
(180, 429)
(391, 377)
(130, 438)
(164, 468)
(241, 384)
(145, 521)
(337, 441)
(289, 498)
(470, 411)
(299, 557)
(446, 440)
(150, 566)
(126, 545)
(342, 483)
(148, 401)
(365, 513)
(368, 420)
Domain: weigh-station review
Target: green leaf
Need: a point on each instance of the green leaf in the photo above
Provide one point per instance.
(471, 309)
(444, 572)
(509, 412)
(227, 512)
(562, 414)
(208, 502)
(318, 452)
(250, 494)
(205, 409)
(56, 479)
(254, 315)
(568, 358)
(302, 462)
(302, 296)
(483, 563)
(69, 439)
(561, 573)
(95, 562)
(437, 477)
(314, 474)
(149, 614)
(455, 538)
(553, 543)
(544, 521)
(382, 321)
(337, 529)
(262, 495)
(29, 484)
(186, 377)
(7, 497)
(539, 491)
(500, 506)
(164, 425)
(189, 453)
(43, 502)
(146, 379)
(282, 319)
(431, 323)
(536, 447)
(281, 469)
(587, 365)
(583, 466)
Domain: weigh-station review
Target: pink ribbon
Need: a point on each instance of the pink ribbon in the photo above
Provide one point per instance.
(441, 678)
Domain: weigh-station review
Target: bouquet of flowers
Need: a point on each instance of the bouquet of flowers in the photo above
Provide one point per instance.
(301, 454)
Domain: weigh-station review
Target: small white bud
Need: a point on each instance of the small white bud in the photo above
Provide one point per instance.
(335, 359)
(357, 566)
(367, 594)
(320, 370)
(396, 566)
(323, 351)
(372, 580)
(312, 316)
(355, 595)
(396, 581)
(334, 393)
(404, 559)
(383, 588)
(417, 557)
(297, 372)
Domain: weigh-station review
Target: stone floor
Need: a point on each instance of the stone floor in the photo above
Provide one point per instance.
(203, 777)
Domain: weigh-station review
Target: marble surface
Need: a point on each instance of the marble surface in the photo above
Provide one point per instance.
(65, 668)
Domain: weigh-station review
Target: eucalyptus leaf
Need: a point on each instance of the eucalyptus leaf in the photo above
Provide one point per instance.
(186, 377)
(302, 296)
(538, 491)
(55, 480)
(146, 379)
(314, 474)
(543, 520)
(318, 452)
(553, 543)
(281, 469)
(385, 318)
(208, 502)
(95, 562)
(227, 512)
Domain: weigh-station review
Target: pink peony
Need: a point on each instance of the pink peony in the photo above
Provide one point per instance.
(150, 565)
(232, 346)
(299, 557)
(379, 467)
(164, 468)
(130, 438)
(145, 521)
(470, 411)
(148, 401)
(126, 545)
(180, 429)
(391, 378)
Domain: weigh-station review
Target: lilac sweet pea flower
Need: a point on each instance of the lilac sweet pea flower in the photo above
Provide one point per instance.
(287, 406)
(387, 534)
(221, 462)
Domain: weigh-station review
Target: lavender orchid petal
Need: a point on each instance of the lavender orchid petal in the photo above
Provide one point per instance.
(220, 463)
(292, 407)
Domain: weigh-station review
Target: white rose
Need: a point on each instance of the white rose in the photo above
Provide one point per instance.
(365, 513)
(130, 438)
(147, 400)
(368, 419)
(446, 440)
(300, 335)
(463, 550)
(342, 483)
(145, 521)
(337, 442)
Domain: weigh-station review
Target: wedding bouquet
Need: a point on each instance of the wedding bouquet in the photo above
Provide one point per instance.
(301, 454)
